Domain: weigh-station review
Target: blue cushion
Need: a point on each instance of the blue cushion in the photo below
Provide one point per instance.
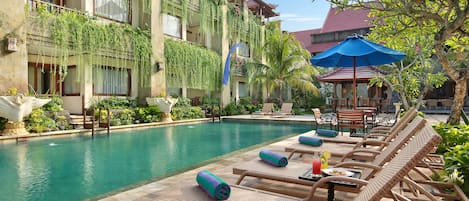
(273, 158)
(326, 133)
(310, 141)
(214, 186)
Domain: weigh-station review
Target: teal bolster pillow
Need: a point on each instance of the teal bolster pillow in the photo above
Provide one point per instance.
(214, 186)
(310, 141)
(326, 133)
(273, 158)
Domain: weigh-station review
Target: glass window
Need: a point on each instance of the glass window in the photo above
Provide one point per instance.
(71, 85)
(111, 81)
(243, 89)
(118, 10)
(172, 26)
(243, 50)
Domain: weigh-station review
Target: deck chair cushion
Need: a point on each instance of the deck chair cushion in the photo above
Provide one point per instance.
(273, 158)
(326, 133)
(316, 142)
(214, 186)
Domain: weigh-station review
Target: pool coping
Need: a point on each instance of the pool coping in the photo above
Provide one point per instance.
(87, 132)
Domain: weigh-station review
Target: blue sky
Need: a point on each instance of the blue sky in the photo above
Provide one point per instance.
(298, 15)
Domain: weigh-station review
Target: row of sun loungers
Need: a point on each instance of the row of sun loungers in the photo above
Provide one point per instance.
(384, 158)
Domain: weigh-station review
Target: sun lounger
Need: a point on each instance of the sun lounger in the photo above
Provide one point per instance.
(377, 187)
(342, 150)
(266, 109)
(285, 110)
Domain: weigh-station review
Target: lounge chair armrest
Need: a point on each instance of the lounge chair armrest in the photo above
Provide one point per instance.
(359, 164)
(324, 182)
(371, 142)
(375, 135)
(350, 154)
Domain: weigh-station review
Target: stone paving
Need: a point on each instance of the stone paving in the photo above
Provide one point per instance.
(171, 188)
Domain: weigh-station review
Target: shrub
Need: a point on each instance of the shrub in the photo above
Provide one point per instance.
(3, 121)
(451, 136)
(115, 103)
(125, 116)
(183, 102)
(233, 109)
(180, 113)
(39, 122)
(147, 114)
(457, 160)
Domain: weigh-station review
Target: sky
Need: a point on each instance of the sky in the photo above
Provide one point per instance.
(298, 15)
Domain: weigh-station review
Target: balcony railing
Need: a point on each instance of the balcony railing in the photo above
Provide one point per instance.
(34, 5)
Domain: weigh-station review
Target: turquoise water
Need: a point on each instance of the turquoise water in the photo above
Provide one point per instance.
(78, 168)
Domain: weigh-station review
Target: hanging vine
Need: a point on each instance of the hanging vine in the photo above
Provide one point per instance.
(82, 36)
(191, 65)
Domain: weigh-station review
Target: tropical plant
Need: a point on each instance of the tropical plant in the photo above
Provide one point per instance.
(451, 136)
(445, 22)
(147, 114)
(287, 65)
(457, 160)
(180, 113)
(39, 122)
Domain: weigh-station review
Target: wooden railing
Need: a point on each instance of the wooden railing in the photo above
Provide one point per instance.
(53, 8)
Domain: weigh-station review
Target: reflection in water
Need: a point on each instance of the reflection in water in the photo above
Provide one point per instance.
(88, 169)
(33, 173)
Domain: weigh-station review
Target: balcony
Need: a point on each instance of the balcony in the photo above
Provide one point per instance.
(35, 5)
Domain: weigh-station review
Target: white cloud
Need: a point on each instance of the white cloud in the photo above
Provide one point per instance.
(298, 18)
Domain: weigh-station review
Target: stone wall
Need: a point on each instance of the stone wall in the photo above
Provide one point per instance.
(13, 65)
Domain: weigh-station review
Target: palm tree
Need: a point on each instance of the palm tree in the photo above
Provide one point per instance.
(287, 65)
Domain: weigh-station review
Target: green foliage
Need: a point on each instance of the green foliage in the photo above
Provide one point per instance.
(147, 114)
(95, 42)
(287, 65)
(180, 113)
(55, 105)
(114, 103)
(247, 104)
(206, 101)
(451, 136)
(39, 122)
(191, 66)
(233, 109)
(183, 102)
(457, 160)
(3, 121)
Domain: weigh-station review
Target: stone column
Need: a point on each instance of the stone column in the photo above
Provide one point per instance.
(236, 90)
(13, 64)
(225, 91)
(157, 76)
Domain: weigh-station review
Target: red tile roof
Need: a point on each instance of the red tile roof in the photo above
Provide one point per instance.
(346, 74)
(320, 47)
(305, 36)
(348, 19)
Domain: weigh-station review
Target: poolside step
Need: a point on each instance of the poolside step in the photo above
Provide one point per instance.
(77, 120)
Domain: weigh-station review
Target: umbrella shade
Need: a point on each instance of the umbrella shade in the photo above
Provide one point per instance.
(355, 51)
(366, 53)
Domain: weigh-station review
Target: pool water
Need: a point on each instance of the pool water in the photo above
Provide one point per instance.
(78, 168)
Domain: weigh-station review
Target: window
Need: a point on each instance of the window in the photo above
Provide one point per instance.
(111, 81)
(71, 84)
(243, 89)
(118, 10)
(42, 79)
(172, 26)
(243, 50)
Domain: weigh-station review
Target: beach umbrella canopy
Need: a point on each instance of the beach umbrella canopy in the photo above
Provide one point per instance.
(354, 52)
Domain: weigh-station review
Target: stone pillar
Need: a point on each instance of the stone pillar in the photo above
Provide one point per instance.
(236, 90)
(87, 84)
(225, 91)
(157, 76)
(13, 64)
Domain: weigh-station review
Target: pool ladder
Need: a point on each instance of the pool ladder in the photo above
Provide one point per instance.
(90, 122)
(214, 115)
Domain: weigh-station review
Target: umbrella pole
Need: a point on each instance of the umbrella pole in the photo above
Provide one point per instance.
(354, 83)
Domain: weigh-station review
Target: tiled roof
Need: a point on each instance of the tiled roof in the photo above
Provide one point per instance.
(346, 74)
(348, 19)
(305, 36)
(320, 47)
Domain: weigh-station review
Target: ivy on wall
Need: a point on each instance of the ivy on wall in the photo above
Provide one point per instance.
(86, 38)
(191, 66)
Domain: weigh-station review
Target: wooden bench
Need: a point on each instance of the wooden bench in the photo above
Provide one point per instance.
(352, 120)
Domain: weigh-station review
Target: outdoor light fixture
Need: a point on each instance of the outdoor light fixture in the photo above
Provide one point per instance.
(158, 67)
(12, 44)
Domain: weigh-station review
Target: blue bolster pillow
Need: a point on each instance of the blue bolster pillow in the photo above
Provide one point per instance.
(214, 186)
(273, 158)
(326, 133)
(310, 141)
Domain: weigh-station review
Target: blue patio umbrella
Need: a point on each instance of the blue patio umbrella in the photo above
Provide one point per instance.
(354, 52)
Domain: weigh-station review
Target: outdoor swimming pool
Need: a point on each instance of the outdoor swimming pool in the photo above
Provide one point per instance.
(78, 168)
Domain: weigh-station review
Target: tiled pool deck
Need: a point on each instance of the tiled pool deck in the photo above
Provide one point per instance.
(171, 188)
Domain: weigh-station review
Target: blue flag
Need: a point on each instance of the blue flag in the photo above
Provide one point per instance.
(226, 72)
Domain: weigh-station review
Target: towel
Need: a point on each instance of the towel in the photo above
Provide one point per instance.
(326, 133)
(310, 141)
(273, 158)
(214, 186)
